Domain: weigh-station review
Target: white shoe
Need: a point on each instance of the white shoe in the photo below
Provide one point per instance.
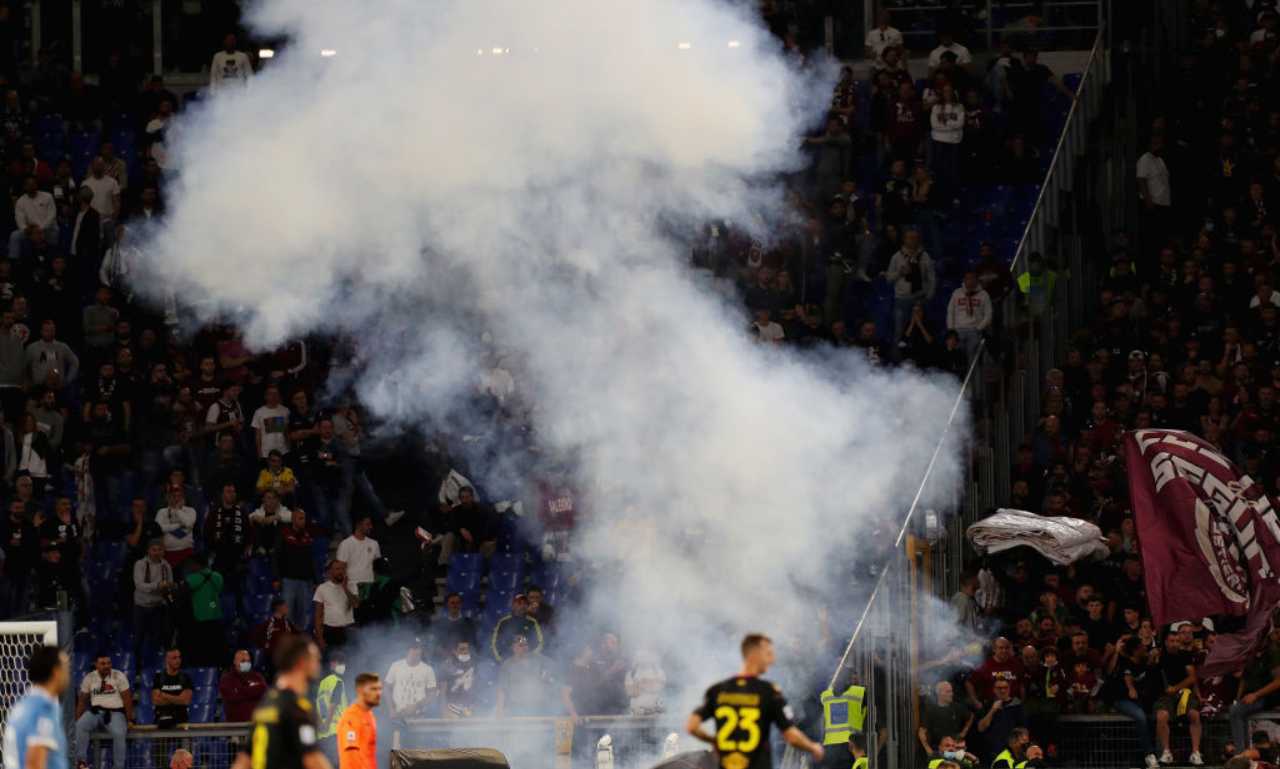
(1166, 757)
(1195, 759)
(1151, 761)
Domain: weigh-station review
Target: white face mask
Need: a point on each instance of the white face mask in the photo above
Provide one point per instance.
(464, 658)
(245, 667)
(339, 669)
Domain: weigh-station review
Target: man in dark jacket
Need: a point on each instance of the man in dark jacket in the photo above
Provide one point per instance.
(473, 528)
(516, 624)
(227, 534)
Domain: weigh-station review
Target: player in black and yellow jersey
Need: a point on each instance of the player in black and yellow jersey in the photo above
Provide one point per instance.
(744, 708)
(284, 724)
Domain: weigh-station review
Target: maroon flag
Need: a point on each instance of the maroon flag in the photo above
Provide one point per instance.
(1210, 539)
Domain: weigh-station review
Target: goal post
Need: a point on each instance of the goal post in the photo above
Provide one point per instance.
(17, 640)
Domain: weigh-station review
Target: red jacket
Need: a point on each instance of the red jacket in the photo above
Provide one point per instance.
(240, 694)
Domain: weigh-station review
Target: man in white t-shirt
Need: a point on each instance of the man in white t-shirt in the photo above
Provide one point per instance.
(947, 44)
(1153, 176)
(335, 607)
(105, 703)
(1156, 195)
(359, 551)
(412, 684)
(883, 36)
(106, 192)
(766, 329)
(34, 209)
(229, 66)
(270, 424)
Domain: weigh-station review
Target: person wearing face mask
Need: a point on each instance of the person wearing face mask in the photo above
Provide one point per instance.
(950, 750)
(331, 703)
(459, 676)
(241, 688)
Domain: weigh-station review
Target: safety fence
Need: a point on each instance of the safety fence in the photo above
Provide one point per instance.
(214, 746)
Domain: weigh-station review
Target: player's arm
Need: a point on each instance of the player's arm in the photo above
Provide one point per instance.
(797, 739)
(694, 727)
(315, 760)
(37, 757)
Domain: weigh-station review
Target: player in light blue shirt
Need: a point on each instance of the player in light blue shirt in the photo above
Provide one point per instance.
(33, 734)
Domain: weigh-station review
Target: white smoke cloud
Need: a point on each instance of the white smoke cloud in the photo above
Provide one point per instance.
(417, 189)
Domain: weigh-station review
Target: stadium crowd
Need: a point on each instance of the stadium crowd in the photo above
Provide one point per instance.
(1186, 338)
(219, 498)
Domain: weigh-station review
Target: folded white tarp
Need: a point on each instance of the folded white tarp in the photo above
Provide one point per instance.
(1061, 540)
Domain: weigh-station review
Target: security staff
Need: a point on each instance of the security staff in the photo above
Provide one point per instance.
(331, 703)
(858, 747)
(1012, 756)
(843, 714)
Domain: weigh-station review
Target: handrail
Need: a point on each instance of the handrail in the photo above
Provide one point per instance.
(1057, 152)
(906, 522)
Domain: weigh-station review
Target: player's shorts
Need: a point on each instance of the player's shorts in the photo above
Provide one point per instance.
(1178, 704)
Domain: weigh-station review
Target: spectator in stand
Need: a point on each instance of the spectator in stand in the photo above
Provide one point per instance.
(276, 477)
(227, 537)
(35, 209)
(1156, 194)
(270, 424)
(1258, 688)
(1179, 699)
(881, 38)
(105, 703)
(1129, 689)
(295, 566)
(358, 552)
(458, 692)
(969, 313)
(646, 684)
(946, 121)
(1002, 665)
(229, 66)
(171, 692)
(595, 684)
(268, 634)
(943, 718)
(911, 274)
(452, 627)
(177, 520)
(525, 682)
(473, 528)
(49, 361)
(267, 519)
(412, 685)
(325, 458)
(153, 584)
(334, 604)
(1001, 719)
(241, 689)
(540, 610)
(106, 194)
(348, 426)
(205, 635)
(947, 44)
(515, 624)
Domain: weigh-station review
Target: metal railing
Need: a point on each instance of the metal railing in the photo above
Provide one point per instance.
(1047, 24)
(214, 746)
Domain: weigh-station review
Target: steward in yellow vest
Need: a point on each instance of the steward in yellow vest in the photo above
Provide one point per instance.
(843, 715)
(1012, 757)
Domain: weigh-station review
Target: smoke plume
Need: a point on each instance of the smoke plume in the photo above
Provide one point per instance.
(470, 179)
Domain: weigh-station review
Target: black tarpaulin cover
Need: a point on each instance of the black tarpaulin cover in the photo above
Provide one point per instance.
(454, 758)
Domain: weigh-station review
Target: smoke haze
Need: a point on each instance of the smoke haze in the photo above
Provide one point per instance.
(417, 191)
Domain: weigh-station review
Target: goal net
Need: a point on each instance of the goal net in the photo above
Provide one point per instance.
(17, 639)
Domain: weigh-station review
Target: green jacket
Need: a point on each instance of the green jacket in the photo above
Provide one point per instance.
(206, 595)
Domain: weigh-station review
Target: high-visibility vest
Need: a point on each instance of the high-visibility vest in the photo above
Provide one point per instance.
(860, 763)
(842, 714)
(933, 763)
(332, 695)
(1006, 759)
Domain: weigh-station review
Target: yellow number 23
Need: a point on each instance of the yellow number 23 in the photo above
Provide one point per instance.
(733, 721)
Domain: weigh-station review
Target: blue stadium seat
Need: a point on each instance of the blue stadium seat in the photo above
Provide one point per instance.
(202, 695)
(204, 677)
(504, 563)
(203, 713)
(461, 581)
(506, 581)
(466, 562)
(123, 661)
